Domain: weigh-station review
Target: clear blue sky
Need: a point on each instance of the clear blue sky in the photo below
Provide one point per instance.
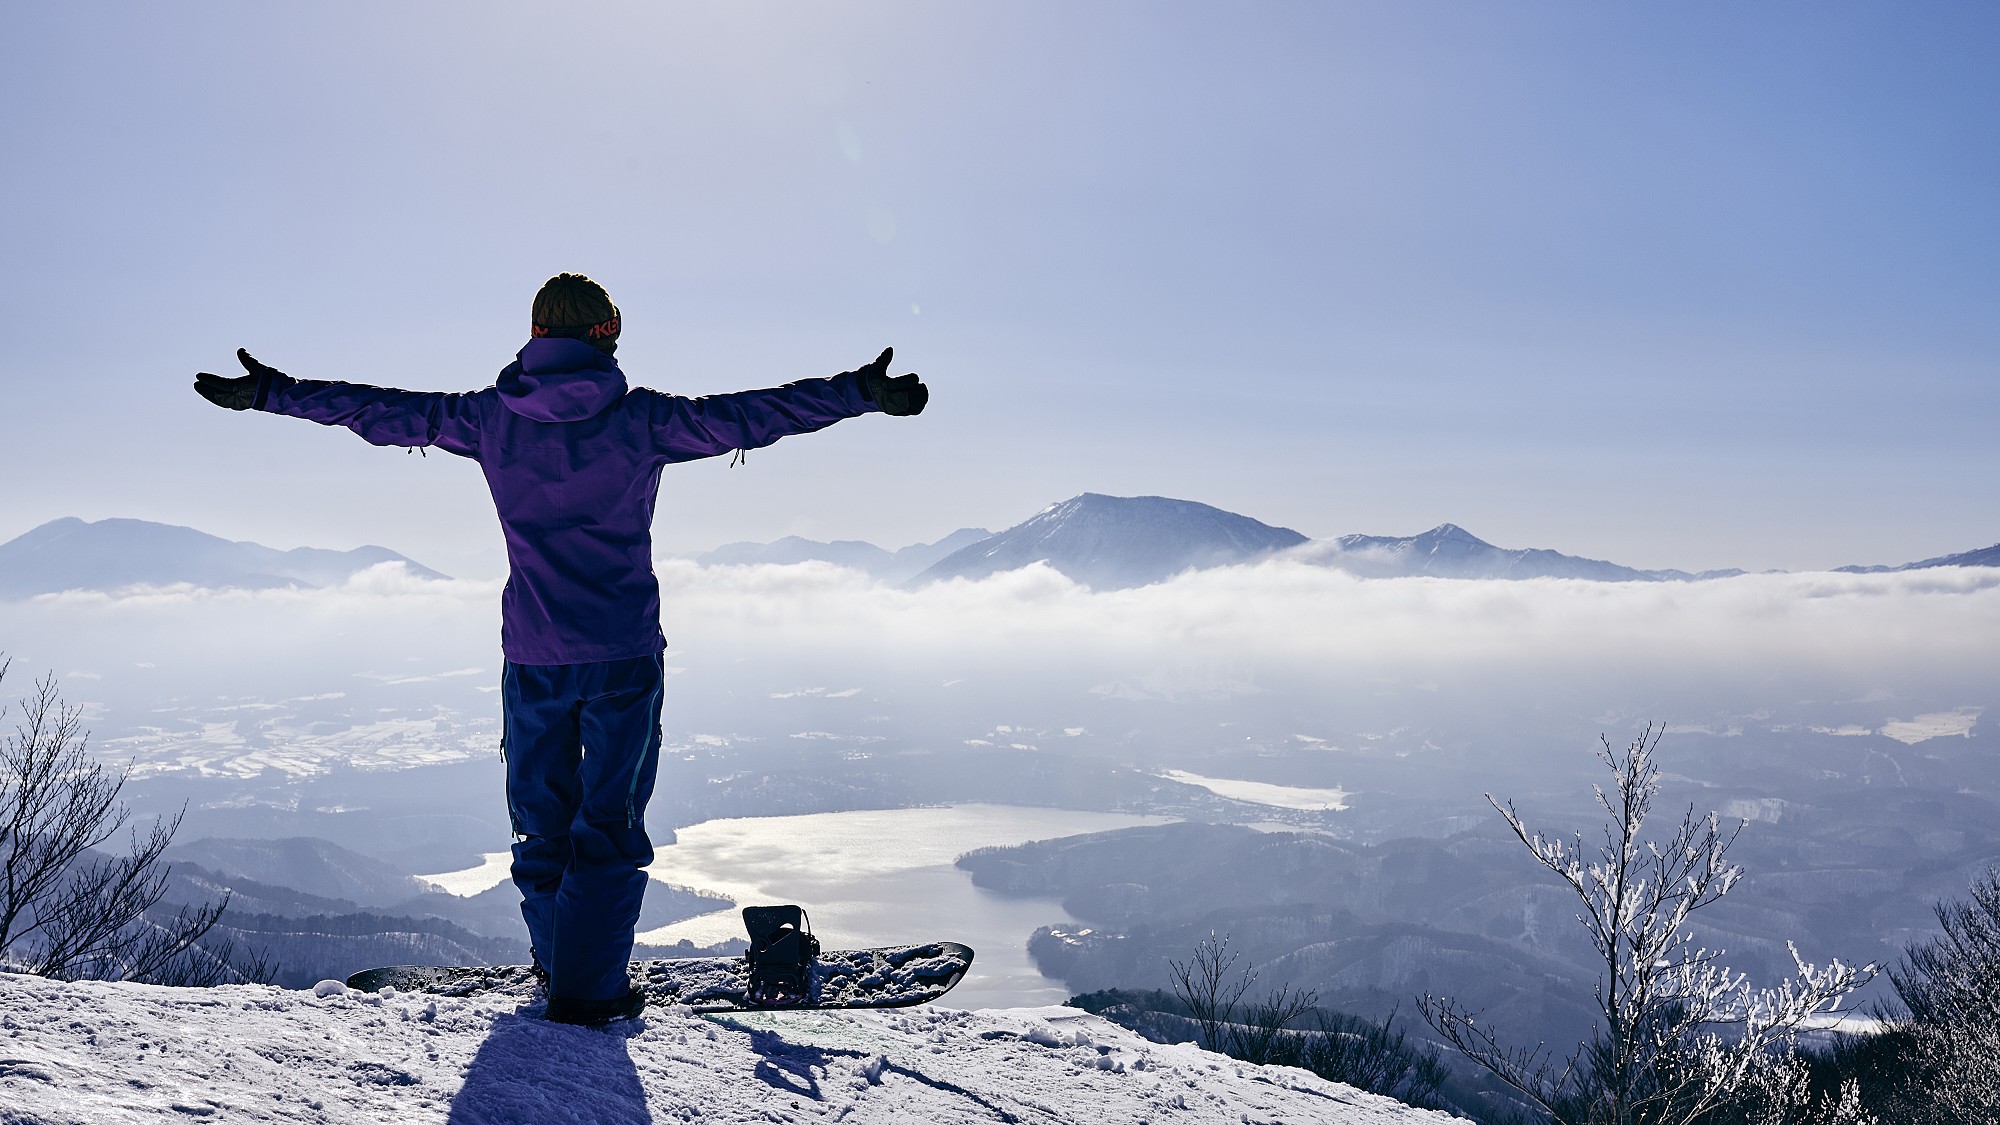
(1688, 284)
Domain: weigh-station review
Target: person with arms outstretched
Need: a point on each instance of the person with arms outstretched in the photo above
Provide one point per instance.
(572, 456)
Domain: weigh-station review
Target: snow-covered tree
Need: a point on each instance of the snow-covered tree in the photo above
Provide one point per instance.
(1679, 1035)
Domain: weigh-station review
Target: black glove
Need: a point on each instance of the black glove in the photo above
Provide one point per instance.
(245, 392)
(900, 396)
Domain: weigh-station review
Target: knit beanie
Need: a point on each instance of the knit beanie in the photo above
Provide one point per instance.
(573, 306)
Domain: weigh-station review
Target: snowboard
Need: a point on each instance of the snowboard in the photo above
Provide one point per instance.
(897, 976)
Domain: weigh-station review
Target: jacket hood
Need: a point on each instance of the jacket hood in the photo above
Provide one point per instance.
(561, 380)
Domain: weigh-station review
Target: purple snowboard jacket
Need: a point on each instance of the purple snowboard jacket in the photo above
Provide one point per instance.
(573, 459)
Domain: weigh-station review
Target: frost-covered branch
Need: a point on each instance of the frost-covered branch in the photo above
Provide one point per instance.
(1659, 1055)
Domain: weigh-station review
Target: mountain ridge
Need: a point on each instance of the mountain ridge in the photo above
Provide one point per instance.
(888, 566)
(1100, 541)
(1983, 556)
(111, 554)
(1445, 551)
(1450, 551)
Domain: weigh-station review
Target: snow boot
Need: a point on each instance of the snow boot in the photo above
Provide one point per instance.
(781, 953)
(595, 1013)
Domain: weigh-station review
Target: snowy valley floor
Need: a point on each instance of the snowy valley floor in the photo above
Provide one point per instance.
(100, 1054)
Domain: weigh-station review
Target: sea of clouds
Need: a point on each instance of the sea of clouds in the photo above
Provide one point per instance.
(171, 667)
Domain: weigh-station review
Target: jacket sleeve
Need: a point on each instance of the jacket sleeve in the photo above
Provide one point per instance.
(384, 415)
(685, 429)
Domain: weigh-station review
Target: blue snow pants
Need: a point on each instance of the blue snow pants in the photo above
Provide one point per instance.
(582, 743)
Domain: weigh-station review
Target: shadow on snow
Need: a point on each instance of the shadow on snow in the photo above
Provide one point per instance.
(529, 1072)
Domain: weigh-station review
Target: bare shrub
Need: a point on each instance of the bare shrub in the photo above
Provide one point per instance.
(1264, 1035)
(69, 910)
(1950, 985)
(1203, 983)
(1341, 1048)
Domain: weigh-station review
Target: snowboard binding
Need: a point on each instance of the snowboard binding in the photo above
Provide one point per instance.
(781, 954)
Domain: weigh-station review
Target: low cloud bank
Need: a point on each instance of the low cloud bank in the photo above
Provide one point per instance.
(1285, 615)
(1920, 643)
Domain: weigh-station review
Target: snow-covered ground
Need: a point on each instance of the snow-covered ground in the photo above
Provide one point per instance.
(103, 1054)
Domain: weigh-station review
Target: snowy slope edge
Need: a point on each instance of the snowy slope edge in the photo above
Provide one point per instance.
(74, 1053)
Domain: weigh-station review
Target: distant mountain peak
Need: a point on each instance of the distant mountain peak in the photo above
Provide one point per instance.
(1450, 551)
(109, 554)
(1455, 533)
(1118, 542)
(1084, 502)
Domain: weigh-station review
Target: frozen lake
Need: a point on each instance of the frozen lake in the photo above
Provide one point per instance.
(1264, 793)
(872, 877)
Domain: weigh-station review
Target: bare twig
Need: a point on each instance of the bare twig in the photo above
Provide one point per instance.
(1202, 982)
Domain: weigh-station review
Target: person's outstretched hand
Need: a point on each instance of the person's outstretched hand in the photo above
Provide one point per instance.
(244, 392)
(900, 396)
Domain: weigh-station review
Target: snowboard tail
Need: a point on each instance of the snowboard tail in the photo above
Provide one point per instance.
(889, 977)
